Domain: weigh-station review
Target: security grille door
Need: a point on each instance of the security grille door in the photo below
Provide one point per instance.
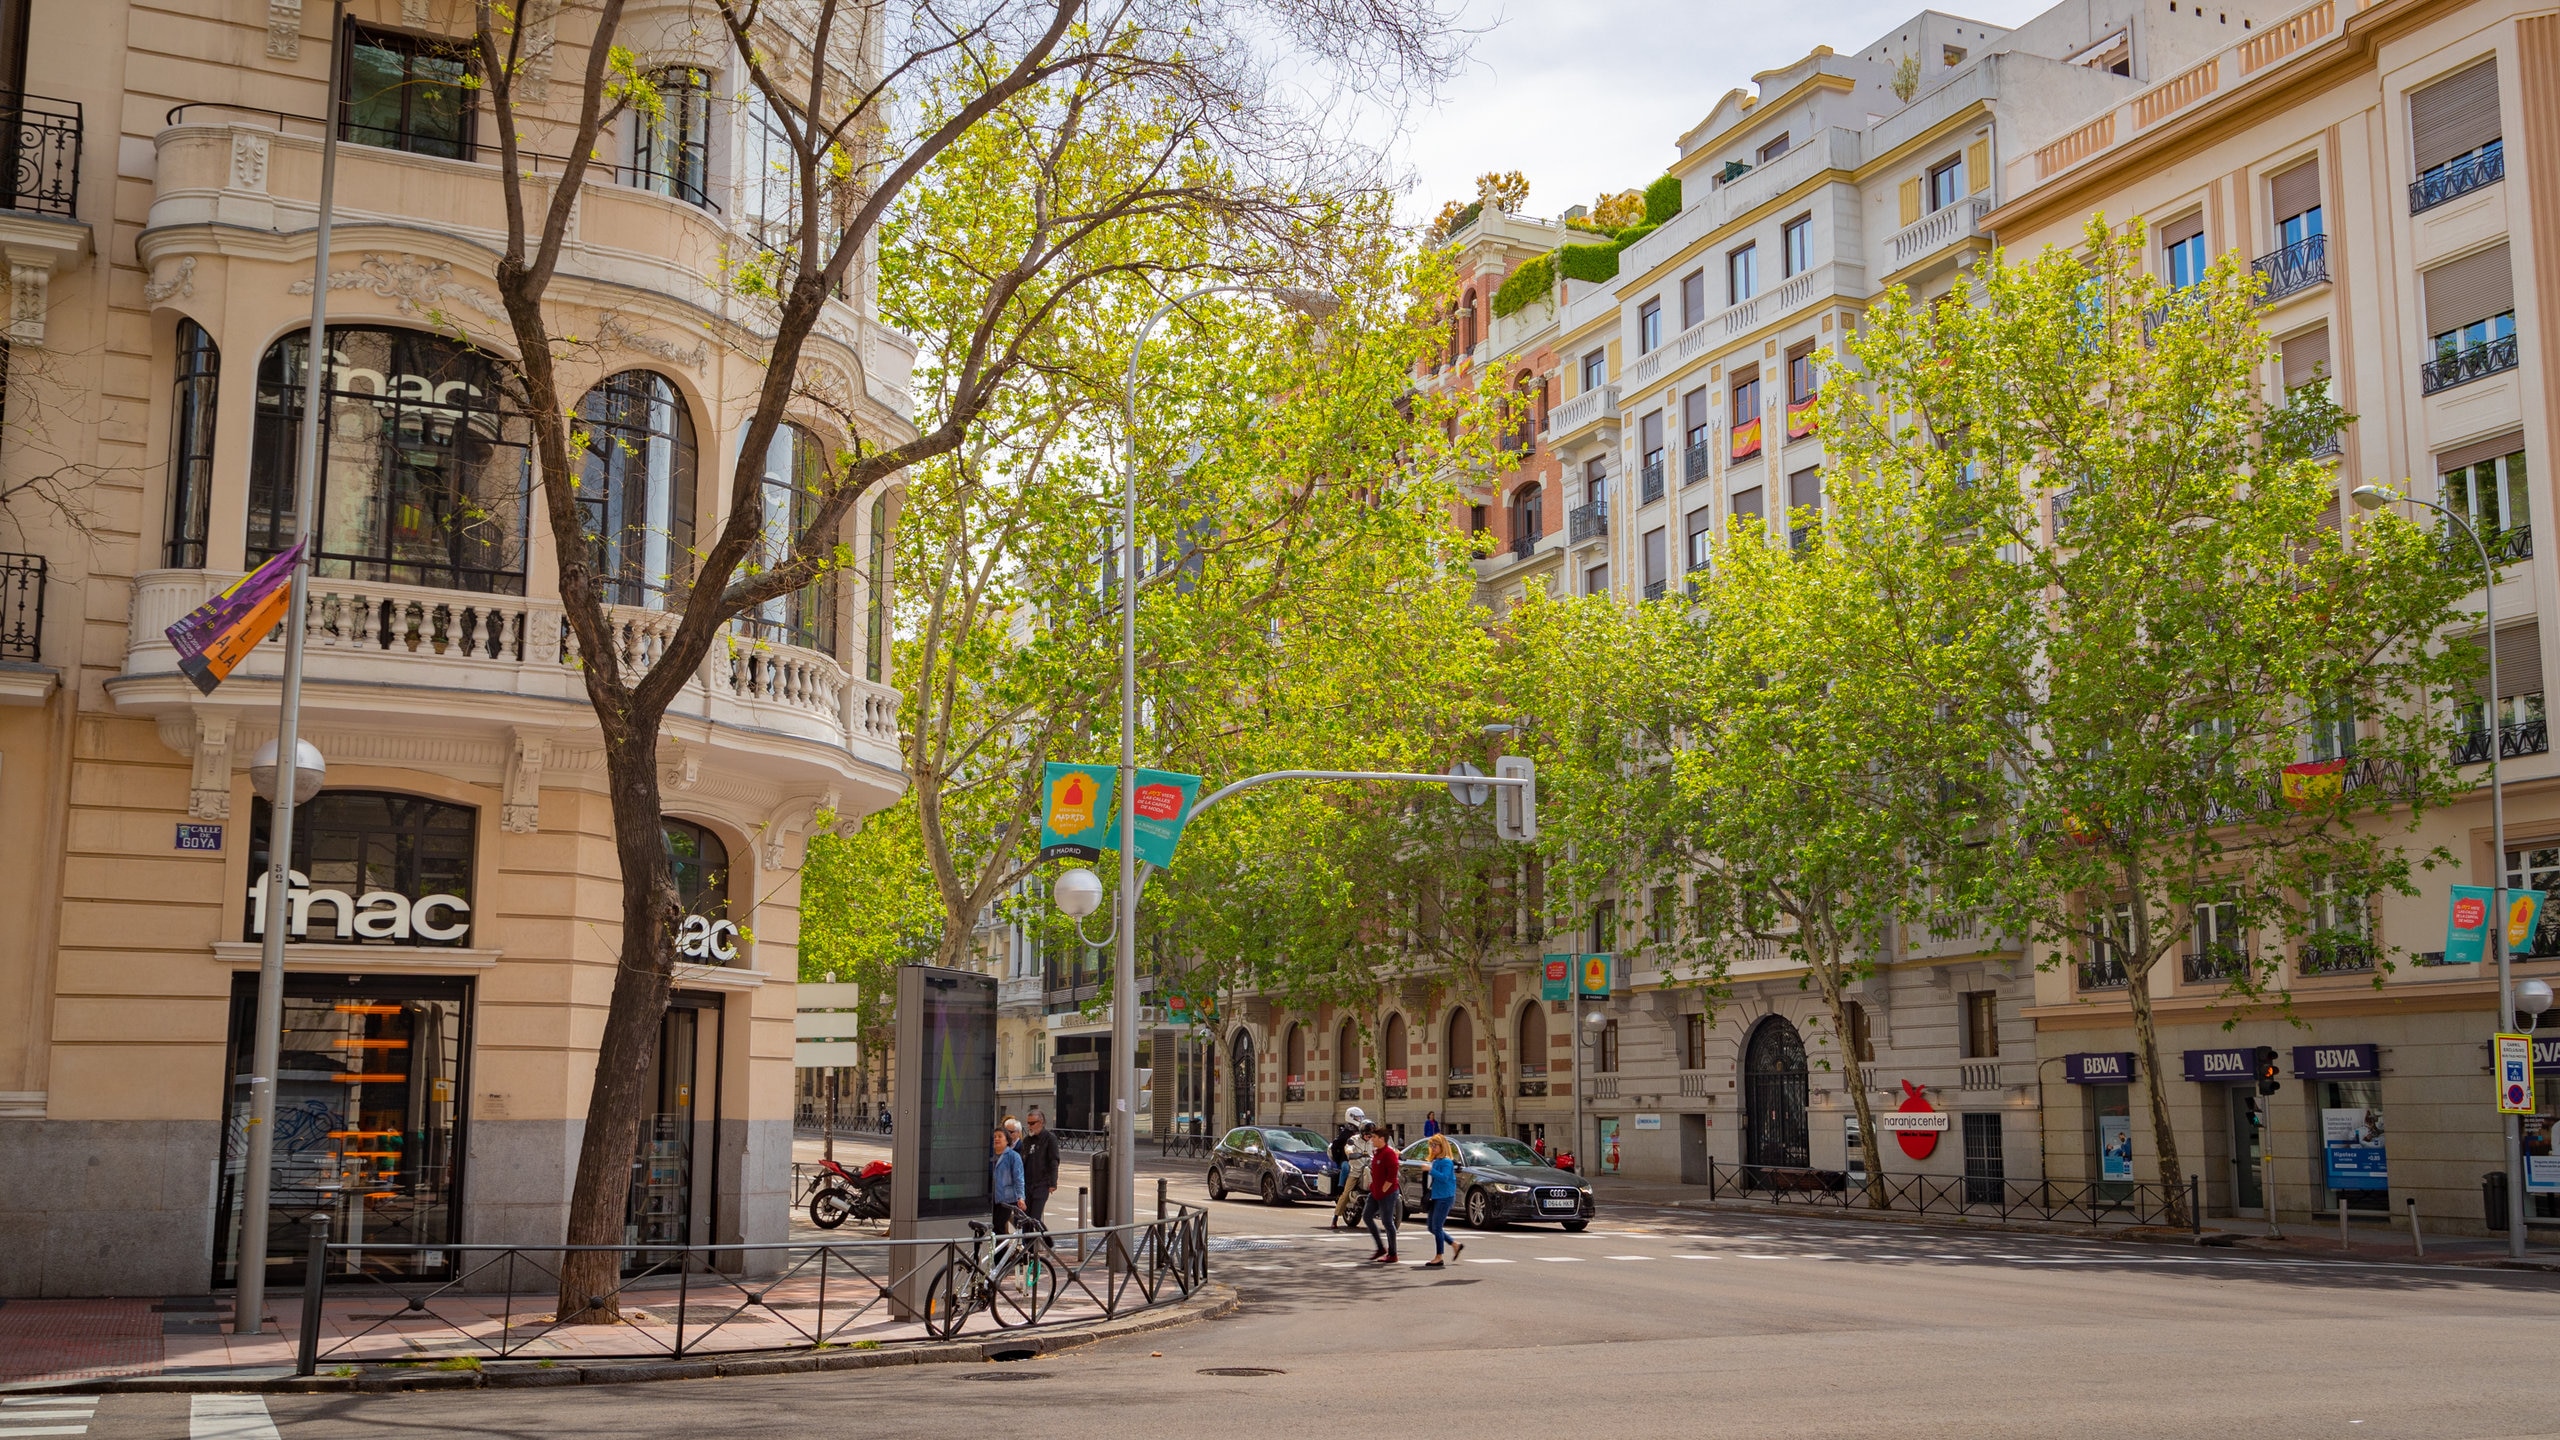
(1773, 1096)
(1985, 1168)
(1243, 1049)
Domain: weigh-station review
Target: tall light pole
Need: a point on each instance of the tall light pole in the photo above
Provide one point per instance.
(1314, 304)
(249, 1299)
(2374, 497)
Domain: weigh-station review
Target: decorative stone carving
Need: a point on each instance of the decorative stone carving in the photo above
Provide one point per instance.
(419, 286)
(413, 13)
(30, 288)
(785, 831)
(249, 161)
(284, 29)
(614, 334)
(522, 793)
(533, 73)
(683, 768)
(209, 790)
(181, 283)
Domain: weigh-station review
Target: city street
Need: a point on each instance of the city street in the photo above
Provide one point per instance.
(1655, 1322)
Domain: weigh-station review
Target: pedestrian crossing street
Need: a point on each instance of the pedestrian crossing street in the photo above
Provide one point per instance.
(46, 1415)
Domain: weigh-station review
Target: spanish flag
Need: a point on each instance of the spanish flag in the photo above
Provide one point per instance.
(220, 633)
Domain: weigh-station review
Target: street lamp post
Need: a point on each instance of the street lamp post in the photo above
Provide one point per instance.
(285, 785)
(1124, 968)
(2374, 497)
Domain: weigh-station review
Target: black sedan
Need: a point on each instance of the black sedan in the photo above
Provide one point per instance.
(1280, 1163)
(1501, 1181)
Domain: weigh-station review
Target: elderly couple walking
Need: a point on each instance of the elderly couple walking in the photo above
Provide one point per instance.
(1371, 1165)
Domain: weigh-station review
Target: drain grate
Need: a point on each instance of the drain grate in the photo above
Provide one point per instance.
(1010, 1355)
(1242, 1370)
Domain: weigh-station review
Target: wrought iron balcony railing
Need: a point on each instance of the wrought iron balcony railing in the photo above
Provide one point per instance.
(1693, 464)
(2214, 964)
(1523, 546)
(2295, 268)
(2464, 366)
(2458, 177)
(1587, 522)
(22, 608)
(44, 163)
(2524, 737)
(2336, 955)
(1653, 589)
(1652, 488)
(2105, 972)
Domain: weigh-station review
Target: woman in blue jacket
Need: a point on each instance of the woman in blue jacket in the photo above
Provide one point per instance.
(1444, 1193)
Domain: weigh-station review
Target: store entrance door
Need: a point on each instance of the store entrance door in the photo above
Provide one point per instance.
(2248, 1197)
(672, 1192)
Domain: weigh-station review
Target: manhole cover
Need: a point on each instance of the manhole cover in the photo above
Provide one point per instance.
(1242, 1370)
(1008, 1375)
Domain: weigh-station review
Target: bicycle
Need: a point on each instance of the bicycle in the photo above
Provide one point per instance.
(1015, 1280)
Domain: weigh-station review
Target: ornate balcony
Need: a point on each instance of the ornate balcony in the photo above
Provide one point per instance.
(45, 178)
(1587, 522)
(2293, 269)
(1581, 413)
(1696, 463)
(2524, 737)
(1652, 481)
(1938, 231)
(1524, 546)
(475, 669)
(2458, 177)
(2461, 367)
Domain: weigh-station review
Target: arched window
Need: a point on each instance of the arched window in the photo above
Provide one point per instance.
(1467, 322)
(428, 472)
(1529, 1045)
(1458, 1064)
(636, 493)
(1297, 1056)
(1347, 1065)
(876, 623)
(795, 471)
(191, 446)
(1528, 515)
(698, 864)
(375, 867)
(670, 150)
(1399, 1062)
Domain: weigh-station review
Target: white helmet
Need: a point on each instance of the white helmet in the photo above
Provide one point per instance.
(1357, 1116)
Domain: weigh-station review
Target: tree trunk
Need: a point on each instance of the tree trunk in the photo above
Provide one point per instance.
(1828, 973)
(2137, 989)
(626, 1057)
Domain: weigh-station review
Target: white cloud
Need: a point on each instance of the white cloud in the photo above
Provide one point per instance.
(1590, 95)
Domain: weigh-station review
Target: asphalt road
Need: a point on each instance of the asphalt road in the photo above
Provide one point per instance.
(1663, 1323)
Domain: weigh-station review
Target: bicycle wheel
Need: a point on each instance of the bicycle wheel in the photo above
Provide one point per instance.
(948, 1301)
(1039, 1278)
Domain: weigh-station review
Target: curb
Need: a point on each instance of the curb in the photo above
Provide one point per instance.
(1211, 1300)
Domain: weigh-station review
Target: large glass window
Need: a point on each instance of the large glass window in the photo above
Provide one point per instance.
(191, 446)
(670, 149)
(356, 853)
(636, 495)
(369, 1110)
(698, 863)
(795, 473)
(406, 92)
(876, 626)
(2492, 494)
(426, 474)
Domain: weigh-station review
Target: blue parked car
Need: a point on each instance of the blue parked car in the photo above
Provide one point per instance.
(1280, 1163)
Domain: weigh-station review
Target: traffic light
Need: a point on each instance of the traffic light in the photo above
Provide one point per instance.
(1515, 807)
(2268, 1084)
(2257, 1112)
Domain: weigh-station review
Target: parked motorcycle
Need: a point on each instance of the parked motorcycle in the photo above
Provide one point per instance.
(840, 1194)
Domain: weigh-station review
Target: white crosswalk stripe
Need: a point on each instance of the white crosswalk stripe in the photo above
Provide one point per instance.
(229, 1417)
(44, 1415)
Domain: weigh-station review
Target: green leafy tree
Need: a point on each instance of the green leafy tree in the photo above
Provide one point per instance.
(2216, 712)
(868, 906)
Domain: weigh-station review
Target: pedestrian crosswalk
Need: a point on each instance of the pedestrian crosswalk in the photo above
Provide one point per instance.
(229, 1417)
(46, 1415)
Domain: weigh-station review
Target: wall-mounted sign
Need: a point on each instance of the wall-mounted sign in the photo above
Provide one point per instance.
(2352, 1137)
(2222, 1067)
(1917, 1125)
(199, 837)
(373, 915)
(2546, 1052)
(2115, 1147)
(1648, 1122)
(2098, 1067)
(702, 938)
(2337, 1062)
(2513, 1057)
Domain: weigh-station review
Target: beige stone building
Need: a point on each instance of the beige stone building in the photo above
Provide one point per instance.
(2384, 165)
(453, 947)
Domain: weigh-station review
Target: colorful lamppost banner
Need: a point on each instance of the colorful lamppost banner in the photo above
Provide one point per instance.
(1075, 811)
(1163, 802)
(2466, 932)
(1597, 971)
(1555, 979)
(215, 637)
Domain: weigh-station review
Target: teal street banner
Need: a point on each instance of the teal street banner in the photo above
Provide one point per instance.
(1555, 982)
(2466, 931)
(1075, 811)
(1163, 802)
(1597, 972)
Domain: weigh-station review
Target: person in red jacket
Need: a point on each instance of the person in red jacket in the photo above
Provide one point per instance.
(1386, 1202)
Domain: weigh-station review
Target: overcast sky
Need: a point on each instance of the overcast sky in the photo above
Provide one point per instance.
(1587, 95)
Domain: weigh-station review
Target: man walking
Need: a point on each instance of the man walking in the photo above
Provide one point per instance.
(1386, 1201)
(1039, 1152)
(1008, 1182)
